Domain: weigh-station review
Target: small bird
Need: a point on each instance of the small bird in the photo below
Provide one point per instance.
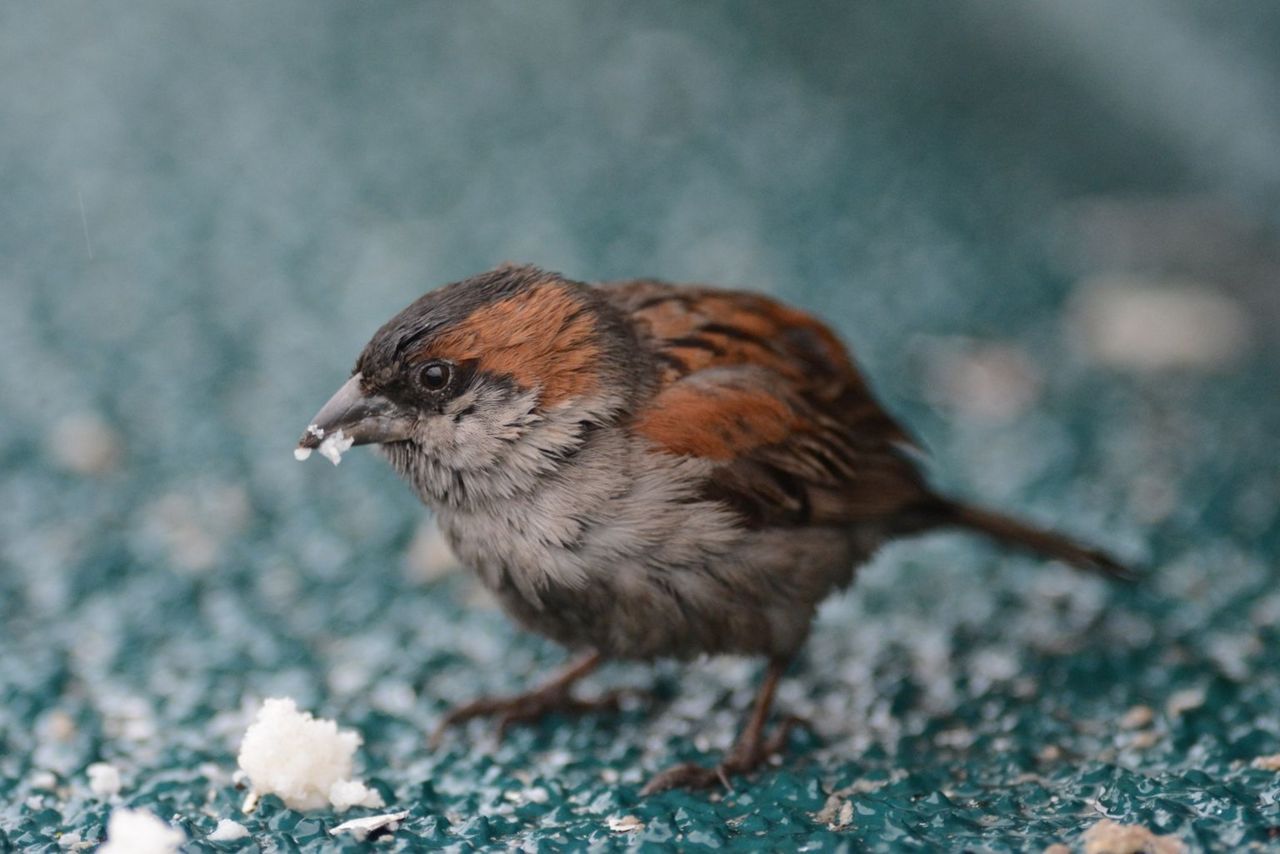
(642, 470)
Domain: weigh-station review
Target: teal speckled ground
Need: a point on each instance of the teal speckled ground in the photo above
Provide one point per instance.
(209, 207)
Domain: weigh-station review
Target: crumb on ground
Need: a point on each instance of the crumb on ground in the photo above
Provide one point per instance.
(228, 831)
(305, 760)
(140, 832)
(837, 812)
(104, 779)
(370, 825)
(624, 823)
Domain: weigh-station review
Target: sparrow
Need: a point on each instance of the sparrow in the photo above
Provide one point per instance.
(642, 470)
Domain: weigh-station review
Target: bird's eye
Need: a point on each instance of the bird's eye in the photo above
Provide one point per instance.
(435, 376)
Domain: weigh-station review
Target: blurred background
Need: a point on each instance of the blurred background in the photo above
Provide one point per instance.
(1050, 231)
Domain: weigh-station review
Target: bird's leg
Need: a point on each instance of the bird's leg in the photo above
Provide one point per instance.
(554, 696)
(750, 750)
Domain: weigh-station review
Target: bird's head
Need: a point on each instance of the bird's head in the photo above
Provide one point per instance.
(493, 377)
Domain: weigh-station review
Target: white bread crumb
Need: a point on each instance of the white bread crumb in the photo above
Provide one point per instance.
(228, 831)
(104, 780)
(335, 445)
(346, 794)
(140, 832)
(305, 760)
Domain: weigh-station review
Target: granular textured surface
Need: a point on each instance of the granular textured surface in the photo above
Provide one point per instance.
(1049, 230)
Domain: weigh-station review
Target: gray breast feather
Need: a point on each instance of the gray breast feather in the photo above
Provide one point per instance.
(617, 551)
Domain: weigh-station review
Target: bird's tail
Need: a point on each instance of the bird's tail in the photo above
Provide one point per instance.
(1014, 532)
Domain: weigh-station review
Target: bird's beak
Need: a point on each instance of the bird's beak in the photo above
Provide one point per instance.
(352, 417)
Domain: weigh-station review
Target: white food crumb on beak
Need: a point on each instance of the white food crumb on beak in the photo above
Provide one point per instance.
(335, 445)
(303, 454)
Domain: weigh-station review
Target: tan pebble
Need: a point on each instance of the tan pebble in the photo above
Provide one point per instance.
(1110, 837)
(624, 824)
(1145, 739)
(836, 813)
(60, 725)
(1181, 702)
(830, 809)
(1138, 717)
(1268, 763)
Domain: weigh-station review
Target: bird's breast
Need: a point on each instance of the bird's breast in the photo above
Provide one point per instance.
(619, 553)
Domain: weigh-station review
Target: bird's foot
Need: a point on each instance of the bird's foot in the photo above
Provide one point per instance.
(749, 753)
(527, 708)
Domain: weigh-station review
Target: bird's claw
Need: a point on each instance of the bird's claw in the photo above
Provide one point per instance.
(744, 758)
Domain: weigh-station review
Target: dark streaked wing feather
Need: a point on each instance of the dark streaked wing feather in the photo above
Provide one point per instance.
(771, 396)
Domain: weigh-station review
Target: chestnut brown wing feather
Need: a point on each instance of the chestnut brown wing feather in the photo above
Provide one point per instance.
(769, 395)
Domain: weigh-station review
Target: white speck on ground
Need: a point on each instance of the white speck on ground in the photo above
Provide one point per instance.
(73, 841)
(84, 444)
(228, 831)
(362, 827)
(1110, 837)
(44, 780)
(1140, 324)
(306, 761)
(140, 832)
(193, 527)
(104, 780)
(982, 381)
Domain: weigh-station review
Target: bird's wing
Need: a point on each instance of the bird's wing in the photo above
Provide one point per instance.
(769, 396)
